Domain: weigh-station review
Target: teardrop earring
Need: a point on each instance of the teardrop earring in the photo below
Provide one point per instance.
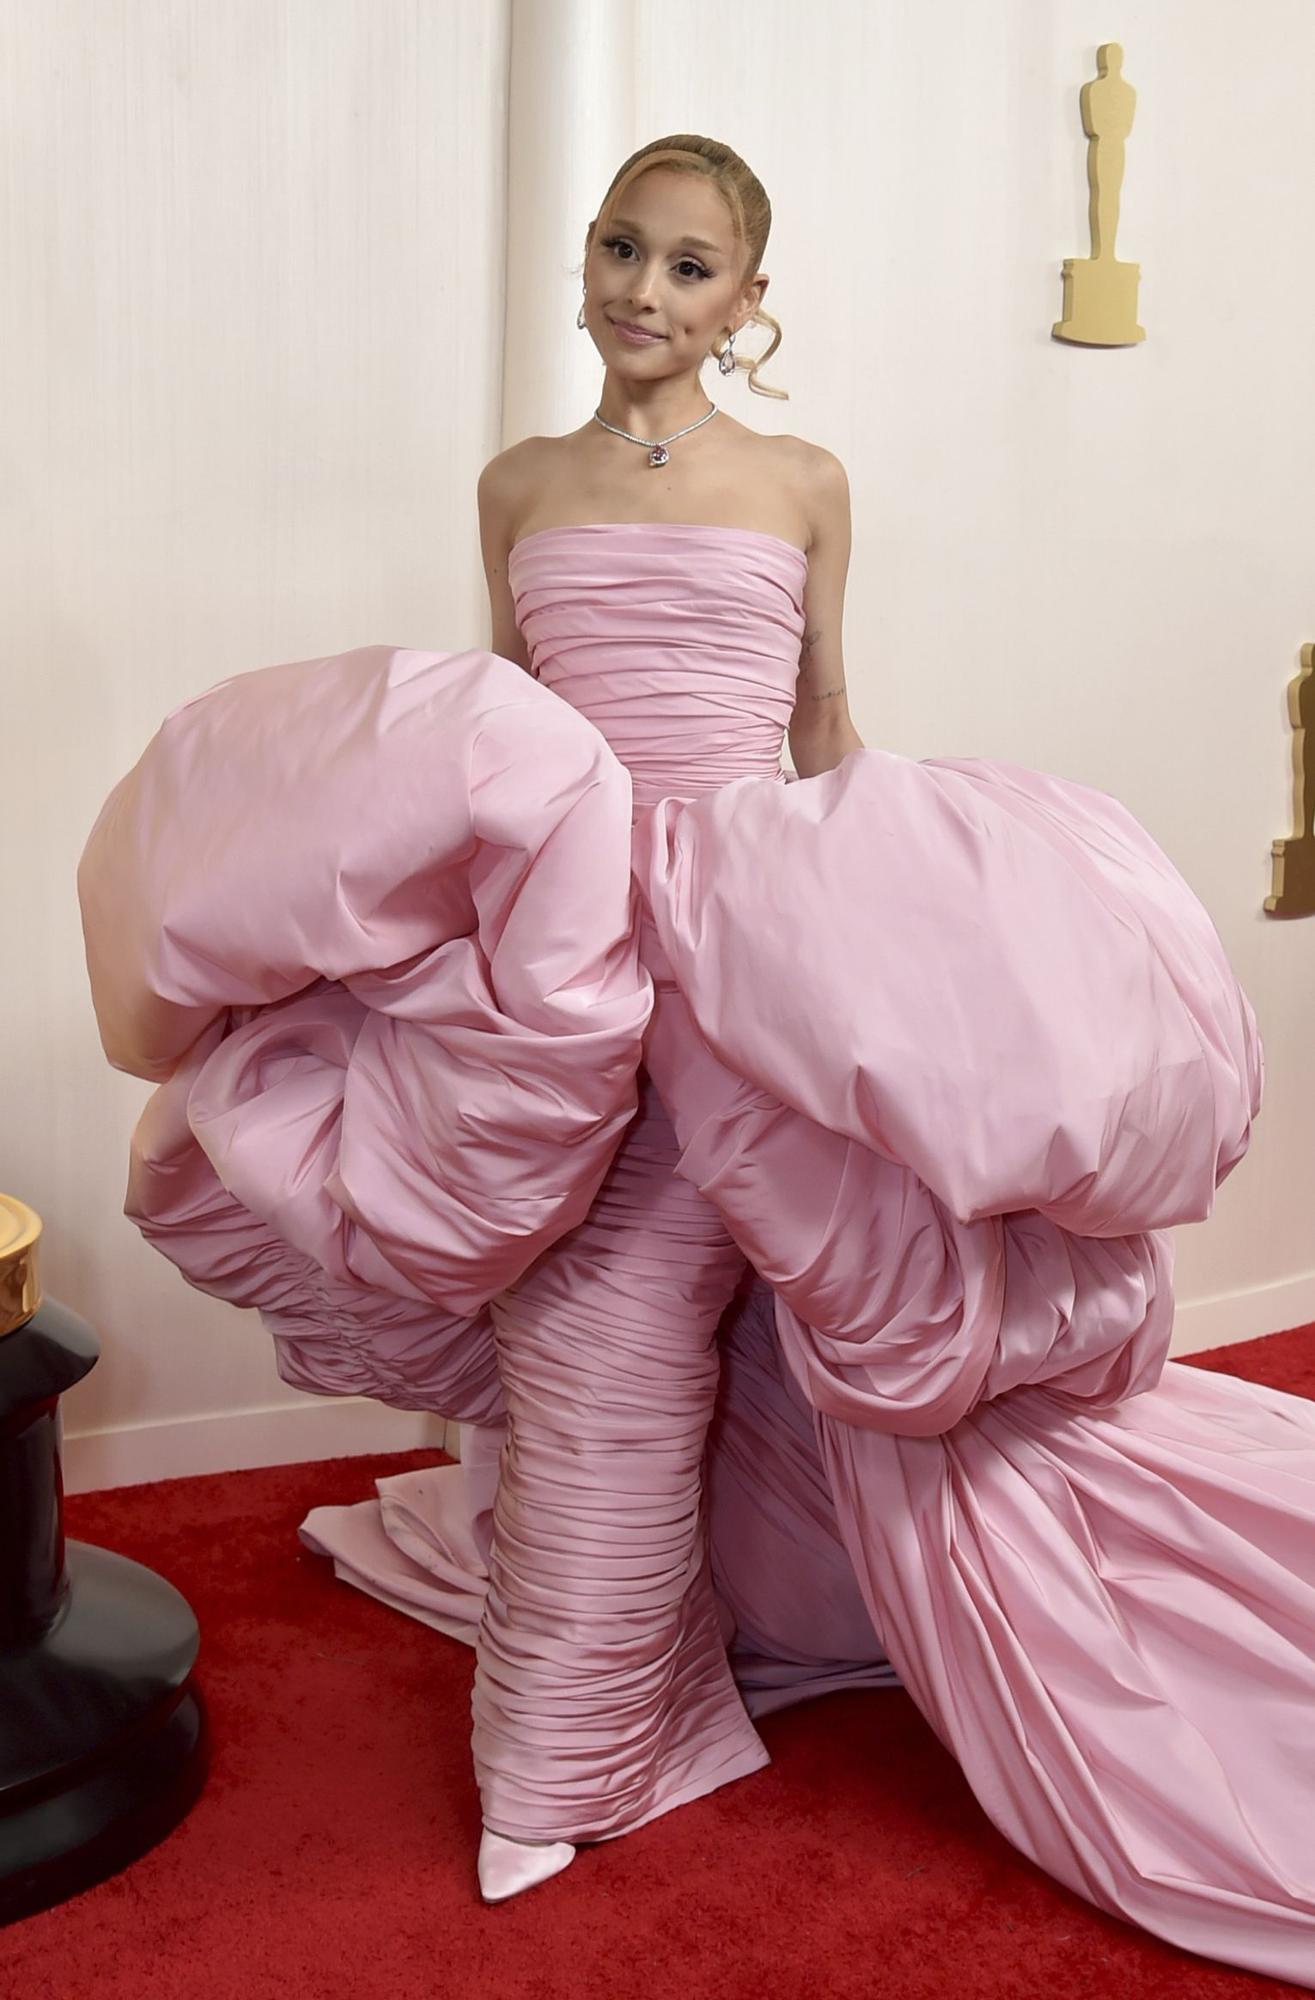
(726, 359)
(579, 317)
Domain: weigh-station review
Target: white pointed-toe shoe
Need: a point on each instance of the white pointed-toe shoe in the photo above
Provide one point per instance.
(506, 1867)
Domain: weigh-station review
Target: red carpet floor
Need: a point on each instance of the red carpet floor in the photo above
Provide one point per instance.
(332, 1852)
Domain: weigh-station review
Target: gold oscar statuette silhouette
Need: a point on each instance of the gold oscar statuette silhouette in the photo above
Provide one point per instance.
(1100, 293)
(1293, 864)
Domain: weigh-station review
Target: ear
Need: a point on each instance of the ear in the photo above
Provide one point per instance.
(753, 294)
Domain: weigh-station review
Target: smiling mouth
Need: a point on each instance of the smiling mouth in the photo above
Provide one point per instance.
(624, 326)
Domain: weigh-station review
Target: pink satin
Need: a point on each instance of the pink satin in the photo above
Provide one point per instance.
(445, 971)
(603, 1694)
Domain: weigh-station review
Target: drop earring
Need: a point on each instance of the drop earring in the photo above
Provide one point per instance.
(579, 317)
(726, 359)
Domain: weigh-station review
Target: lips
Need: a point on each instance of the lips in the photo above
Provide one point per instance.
(643, 332)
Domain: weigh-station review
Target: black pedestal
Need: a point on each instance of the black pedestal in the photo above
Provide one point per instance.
(103, 1739)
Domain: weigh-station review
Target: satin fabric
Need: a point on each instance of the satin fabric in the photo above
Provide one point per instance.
(939, 1048)
(603, 1694)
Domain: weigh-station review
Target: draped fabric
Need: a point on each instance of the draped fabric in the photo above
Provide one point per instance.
(775, 1175)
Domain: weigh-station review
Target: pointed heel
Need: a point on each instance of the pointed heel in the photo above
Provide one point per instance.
(508, 1867)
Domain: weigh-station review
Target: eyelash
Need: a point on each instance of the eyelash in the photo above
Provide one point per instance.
(611, 243)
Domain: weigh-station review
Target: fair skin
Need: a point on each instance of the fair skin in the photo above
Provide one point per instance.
(668, 260)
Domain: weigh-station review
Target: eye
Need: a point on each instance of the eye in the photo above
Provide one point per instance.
(617, 242)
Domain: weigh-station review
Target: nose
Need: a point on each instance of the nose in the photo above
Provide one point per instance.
(642, 285)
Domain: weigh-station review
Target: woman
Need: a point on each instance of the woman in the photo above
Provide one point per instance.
(628, 1306)
(824, 1066)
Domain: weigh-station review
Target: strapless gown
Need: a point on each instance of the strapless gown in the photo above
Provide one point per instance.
(774, 1176)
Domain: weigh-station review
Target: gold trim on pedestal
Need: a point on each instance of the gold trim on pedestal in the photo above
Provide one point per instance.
(20, 1292)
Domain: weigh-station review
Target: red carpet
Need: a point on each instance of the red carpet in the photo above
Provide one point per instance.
(332, 1852)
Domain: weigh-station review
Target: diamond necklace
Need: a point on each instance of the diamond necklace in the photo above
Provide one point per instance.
(658, 453)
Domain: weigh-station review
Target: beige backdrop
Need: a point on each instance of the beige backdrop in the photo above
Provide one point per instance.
(280, 275)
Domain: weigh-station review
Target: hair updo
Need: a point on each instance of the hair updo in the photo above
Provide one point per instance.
(745, 197)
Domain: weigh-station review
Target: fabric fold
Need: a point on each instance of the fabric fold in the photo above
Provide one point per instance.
(402, 1039)
(520, 1046)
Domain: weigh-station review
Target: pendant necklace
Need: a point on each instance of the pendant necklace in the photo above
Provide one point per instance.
(657, 447)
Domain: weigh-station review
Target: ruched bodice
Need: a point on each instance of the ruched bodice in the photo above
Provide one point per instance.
(679, 641)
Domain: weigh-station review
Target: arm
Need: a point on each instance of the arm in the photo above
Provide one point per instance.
(494, 495)
(820, 731)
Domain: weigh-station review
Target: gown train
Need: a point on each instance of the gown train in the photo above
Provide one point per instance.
(568, 1044)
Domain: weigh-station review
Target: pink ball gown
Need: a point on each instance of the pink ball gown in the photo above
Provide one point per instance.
(527, 1048)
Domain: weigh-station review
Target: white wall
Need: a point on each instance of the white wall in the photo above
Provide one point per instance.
(280, 275)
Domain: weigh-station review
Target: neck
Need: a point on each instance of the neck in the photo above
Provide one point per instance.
(655, 412)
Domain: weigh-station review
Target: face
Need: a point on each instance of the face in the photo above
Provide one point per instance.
(667, 261)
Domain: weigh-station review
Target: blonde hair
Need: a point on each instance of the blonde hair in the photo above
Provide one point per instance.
(745, 197)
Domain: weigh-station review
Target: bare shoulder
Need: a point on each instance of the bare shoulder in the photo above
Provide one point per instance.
(506, 478)
(819, 484)
(826, 490)
(501, 500)
(826, 472)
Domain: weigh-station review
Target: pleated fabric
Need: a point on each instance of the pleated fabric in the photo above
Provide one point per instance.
(603, 1695)
(797, 1623)
(1107, 1618)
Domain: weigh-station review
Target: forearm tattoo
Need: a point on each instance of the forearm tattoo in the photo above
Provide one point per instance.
(809, 641)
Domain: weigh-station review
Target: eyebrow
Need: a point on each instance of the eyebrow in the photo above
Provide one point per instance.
(697, 242)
